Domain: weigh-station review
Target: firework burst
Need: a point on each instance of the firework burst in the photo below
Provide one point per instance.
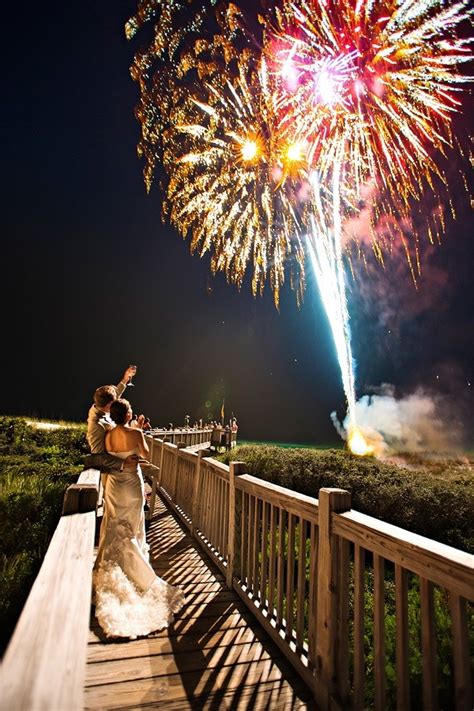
(372, 85)
(235, 185)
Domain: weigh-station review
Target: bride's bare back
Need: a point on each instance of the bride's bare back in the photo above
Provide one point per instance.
(124, 439)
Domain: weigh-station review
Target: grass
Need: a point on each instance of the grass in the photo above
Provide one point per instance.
(37, 464)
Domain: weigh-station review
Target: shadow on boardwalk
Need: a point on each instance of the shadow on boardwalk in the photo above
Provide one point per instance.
(214, 656)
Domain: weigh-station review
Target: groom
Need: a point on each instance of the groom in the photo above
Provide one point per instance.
(98, 424)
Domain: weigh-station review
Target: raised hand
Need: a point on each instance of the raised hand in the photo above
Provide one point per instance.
(129, 373)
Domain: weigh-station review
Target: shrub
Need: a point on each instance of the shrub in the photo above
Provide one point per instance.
(431, 506)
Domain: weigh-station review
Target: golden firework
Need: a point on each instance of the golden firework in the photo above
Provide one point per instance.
(235, 184)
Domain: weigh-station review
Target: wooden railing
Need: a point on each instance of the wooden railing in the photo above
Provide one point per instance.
(44, 665)
(306, 569)
(187, 435)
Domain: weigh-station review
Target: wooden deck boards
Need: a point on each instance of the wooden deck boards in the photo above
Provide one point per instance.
(215, 656)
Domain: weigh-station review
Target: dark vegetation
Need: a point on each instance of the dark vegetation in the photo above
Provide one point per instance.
(434, 499)
(36, 467)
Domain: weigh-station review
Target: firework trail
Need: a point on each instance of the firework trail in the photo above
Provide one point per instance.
(370, 86)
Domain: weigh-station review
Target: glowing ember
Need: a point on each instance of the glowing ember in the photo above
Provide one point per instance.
(249, 150)
(357, 444)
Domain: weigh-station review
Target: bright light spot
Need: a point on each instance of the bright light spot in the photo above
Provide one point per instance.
(359, 87)
(294, 152)
(327, 87)
(289, 74)
(357, 444)
(249, 150)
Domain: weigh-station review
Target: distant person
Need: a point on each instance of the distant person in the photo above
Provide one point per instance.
(146, 425)
(130, 600)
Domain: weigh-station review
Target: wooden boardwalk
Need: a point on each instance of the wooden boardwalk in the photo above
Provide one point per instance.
(214, 656)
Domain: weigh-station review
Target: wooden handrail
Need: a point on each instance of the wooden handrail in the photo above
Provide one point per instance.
(44, 664)
(443, 565)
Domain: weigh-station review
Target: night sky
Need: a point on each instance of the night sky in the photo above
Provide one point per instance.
(93, 281)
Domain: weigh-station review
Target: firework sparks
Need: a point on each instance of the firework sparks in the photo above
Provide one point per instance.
(233, 182)
(373, 87)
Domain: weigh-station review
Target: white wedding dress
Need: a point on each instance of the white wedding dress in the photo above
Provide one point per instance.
(130, 600)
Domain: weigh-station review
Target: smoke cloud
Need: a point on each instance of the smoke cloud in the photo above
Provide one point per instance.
(419, 422)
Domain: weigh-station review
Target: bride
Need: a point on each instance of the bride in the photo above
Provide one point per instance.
(130, 600)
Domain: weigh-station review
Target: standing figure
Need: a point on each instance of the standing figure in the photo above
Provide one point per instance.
(130, 599)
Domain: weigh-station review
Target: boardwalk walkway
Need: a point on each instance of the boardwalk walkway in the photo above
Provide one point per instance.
(215, 655)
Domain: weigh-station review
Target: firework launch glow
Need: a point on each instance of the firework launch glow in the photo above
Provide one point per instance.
(270, 143)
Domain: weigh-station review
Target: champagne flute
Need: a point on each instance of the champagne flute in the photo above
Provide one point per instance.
(130, 384)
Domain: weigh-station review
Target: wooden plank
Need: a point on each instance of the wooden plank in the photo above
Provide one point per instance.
(192, 687)
(272, 566)
(428, 639)
(51, 639)
(401, 616)
(250, 539)
(328, 580)
(280, 566)
(264, 555)
(443, 565)
(231, 630)
(196, 496)
(271, 695)
(301, 583)
(290, 585)
(244, 561)
(462, 671)
(80, 498)
(379, 634)
(235, 469)
(256, 547)
(359, 627)
(312, 601)
(342, 641)
(154, 484)
(136, 668)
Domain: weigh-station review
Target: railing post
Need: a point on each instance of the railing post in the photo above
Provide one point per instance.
(196, 490)
(156, 473)
(329, 595)
(179, 445)
(235, 468)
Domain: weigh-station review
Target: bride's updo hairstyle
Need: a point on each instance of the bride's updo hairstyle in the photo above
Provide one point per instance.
(119, 410)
